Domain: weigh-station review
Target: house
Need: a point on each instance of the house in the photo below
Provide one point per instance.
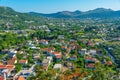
(68, 50)
(69, 65)
(83, 51)
(90, 43)
(11, 62)
(47, 50)
(58, 57)
(64, 47)
(10, 67)
(50, 58)
(46, 63)
(23, 62)
(20, 52)
(21, 78)
(108, 63)
(90, 59)
(93, 52)
(1, 78)
(54, 54)
(58, 66)
(90, 65)
(44, 42)
(36, 56)
(12, 51)
(73, 46)
(74, 57)
(35, 39)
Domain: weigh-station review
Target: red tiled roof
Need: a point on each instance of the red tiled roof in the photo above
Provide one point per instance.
(1, 78)
(7, 66)
(10, 66)
(2, 66)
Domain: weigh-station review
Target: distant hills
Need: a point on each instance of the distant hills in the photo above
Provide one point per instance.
(96, 13)
(11, 19)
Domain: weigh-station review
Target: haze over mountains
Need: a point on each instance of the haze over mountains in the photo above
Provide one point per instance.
(96, 13)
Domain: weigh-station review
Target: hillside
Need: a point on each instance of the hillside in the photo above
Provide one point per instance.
(10, 19)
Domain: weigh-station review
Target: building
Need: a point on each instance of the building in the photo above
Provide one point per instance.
(93, 52)
(58, 66)
(90, 65)
(46, 63)
(11, 62)
(36, 56)
(44, 42)
(1, 77)
(50, 58)
(23, 62)
(21, 78)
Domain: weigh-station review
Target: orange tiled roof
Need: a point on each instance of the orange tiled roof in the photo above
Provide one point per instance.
(47, 49)
(109, 63)
(11, 61)
(21, 78)
(2, 66)
(22, 61)
(64, 47)
(55, 52)
(58, 56)
(10, 66)
(7, 66)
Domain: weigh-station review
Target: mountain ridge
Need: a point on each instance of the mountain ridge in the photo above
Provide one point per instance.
(95, 13)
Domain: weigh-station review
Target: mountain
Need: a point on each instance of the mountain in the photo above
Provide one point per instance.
(10, 19)
(96, 13)
(63, 14)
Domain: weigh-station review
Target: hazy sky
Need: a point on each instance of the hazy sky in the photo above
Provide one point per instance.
(50, 6)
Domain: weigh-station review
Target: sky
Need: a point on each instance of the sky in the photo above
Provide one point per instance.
(52, 6)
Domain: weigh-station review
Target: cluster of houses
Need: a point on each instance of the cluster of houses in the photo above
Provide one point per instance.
(7, 68)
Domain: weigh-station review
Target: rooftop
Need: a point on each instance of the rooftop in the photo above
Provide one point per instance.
(57, 66)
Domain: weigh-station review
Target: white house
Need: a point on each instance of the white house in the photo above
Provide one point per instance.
(58, 66)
